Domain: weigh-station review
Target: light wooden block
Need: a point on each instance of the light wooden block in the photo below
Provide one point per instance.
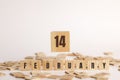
(25, 65)
(104, 64)
(47, 64)
(93, 65)
(86, 64)
(59, 64)
(80, 65)
(60, 41)
(36, 65)
(70, 64)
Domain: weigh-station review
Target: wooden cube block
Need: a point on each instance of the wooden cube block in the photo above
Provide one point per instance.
(93, 65)
(36, 65)
(70, 64)
(104, 64)
(80, 64)
(25, 65)
(59, 64)
(60, 41)
(47, 64)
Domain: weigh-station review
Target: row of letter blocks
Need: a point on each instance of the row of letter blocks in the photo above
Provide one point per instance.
(56, 64)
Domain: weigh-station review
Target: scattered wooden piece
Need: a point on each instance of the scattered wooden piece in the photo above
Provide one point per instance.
(2, 74)
(54, 77)
(35, 78)
(66, 77)
(29, 57)
(108, 53)
(102, 78)
(39, 74)
(100, 75)
(17, 74)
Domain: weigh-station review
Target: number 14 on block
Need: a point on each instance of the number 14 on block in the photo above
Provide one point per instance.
(60, 41)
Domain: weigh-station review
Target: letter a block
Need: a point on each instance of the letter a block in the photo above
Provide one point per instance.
(60, 41)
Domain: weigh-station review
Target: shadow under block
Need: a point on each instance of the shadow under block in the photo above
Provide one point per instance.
(25, 65)
(60, 41)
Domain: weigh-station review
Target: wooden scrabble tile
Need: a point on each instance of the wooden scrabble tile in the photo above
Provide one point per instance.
(36, 65)
(59, 64)
(60, 41)
(93, 65)
(103, 64)
(70, 64)
(48, 64)
(25, 65)
(80, 64)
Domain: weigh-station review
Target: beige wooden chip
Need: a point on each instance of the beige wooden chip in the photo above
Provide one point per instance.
(63, 56)
(41, 54)
(3, 68)
(2, 74)
(39, 74)
(100, 75)
(54, 77)
(35, 78)
(108, 53)
(29, 57)
(82, 76)
(67, 77)
(27, 77)
(17, 74)
(102, 78)
(10, 63)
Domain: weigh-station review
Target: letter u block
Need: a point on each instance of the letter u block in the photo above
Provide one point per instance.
(70, 64)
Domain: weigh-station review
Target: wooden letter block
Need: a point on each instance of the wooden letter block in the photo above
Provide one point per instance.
(60, 41)
(25, 65)
(80, 64)
(36, 65)
(104, 64)
(47, 64)
(92, 65)
(70, 64)
(59, 64)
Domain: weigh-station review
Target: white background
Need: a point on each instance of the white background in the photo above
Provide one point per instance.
(25, 26)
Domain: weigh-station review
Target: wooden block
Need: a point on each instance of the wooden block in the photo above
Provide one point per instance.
(86, 64)
(25, 65)
(80, 64)
(36, 65)
(59, 64)
(104, 64)
(93, 65)
(60, 41)
(48, 64)
(70, 64)
(102, 78)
